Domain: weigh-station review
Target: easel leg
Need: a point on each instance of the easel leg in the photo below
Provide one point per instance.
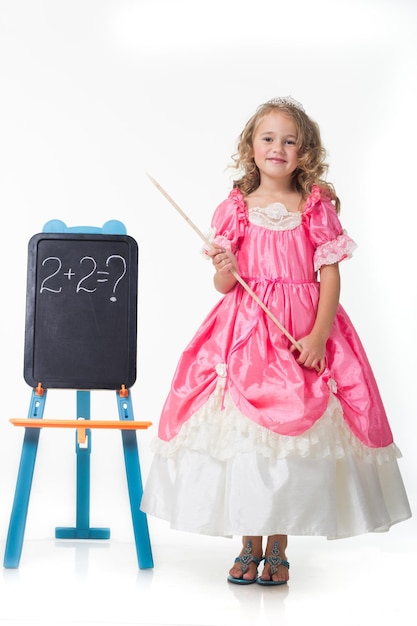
(18, 516)
(82, 529)
(135, 487)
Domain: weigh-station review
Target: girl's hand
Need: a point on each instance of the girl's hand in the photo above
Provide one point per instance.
(312, 354)
(223, 260)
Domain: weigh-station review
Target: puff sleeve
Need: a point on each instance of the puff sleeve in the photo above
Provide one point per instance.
(229, 222)
(331, 243)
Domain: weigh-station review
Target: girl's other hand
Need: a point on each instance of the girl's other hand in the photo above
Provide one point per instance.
(312, 353)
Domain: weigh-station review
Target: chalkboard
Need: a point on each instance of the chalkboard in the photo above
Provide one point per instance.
(81, 311)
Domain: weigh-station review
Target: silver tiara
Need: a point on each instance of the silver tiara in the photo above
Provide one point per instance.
(287, 101)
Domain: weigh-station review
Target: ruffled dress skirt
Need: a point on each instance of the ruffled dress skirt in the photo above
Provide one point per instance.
(224, 475)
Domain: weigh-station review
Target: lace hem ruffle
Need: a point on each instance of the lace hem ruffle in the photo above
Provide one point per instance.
(224, 433)
(334, 251)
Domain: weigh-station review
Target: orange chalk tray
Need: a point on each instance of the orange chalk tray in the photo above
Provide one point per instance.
(31, 422)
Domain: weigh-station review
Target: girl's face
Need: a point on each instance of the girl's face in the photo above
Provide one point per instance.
(274, 146)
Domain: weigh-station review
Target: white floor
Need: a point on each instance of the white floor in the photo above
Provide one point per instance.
(367, 580)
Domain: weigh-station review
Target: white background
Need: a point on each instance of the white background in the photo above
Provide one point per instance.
(94, 94)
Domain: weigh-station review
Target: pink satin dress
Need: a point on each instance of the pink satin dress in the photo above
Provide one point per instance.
(250, 442)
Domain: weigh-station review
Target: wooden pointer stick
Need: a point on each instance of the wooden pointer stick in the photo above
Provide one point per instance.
(233, 271)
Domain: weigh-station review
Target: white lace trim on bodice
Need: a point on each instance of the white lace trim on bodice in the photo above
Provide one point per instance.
(274, 217)
(223, 433)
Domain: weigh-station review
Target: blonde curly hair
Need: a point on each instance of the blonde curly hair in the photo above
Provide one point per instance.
(311, 166)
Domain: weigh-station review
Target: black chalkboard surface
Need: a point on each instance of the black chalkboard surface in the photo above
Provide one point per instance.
(81, 311)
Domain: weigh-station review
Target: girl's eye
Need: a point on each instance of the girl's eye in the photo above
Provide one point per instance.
(290, 142)
(268, 139)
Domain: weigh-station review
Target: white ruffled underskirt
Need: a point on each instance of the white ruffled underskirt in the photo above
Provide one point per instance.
(225, 475)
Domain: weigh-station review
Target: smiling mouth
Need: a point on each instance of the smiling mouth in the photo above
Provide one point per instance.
(275, 160)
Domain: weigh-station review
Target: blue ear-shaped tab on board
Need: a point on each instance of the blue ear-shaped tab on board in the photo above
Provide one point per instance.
(112, 227)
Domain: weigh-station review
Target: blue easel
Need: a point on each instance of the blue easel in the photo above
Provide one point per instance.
(83, 425)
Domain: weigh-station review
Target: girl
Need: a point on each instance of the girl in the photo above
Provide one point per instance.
(257, 437)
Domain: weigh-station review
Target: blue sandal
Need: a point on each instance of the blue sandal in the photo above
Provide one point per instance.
(245, 559)
(274, 561)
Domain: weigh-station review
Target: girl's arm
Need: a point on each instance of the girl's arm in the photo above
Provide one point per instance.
(313, 345)
(223, 262)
